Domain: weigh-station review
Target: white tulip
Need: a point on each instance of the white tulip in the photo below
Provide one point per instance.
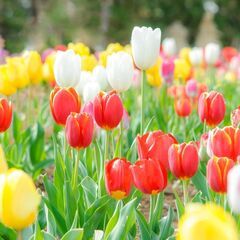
(120, 71)
(212, 53)
(67, 68)
(145, 46)
(233, 189)
(100, 76)
(196, 56)
(90, 91)
(169, 46)
(84, 79)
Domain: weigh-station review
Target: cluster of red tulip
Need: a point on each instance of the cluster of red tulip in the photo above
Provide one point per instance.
(5, 114)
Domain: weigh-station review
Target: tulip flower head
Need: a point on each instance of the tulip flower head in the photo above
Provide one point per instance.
(90, 90)
(79, 130)
(145, 46)
(167, 71)
(212, 53)
(169, 47)
(63, 101)
(67, 68)
(217, 171)
(108, 110)
(235, 117)
(224, 143)
(183, 160)
(191, 88)
(183, 106)
(233, 189)
(100, 76)
(211, 108)
(118, 178)
(155, 145)
(196, 56)
(19, 199)
(206, 222)
(120, 71)
(149, 176)
(5, 114)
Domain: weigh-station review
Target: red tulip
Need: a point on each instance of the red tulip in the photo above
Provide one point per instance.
(183, 107)
(217, 171)
(155, 145)
(228, 53)
(118, 178)
(63, 101)
(235, 117)
(5, 114)
(149, 176)
(211, 108)
(79, 130)
(224, 143)
(183, 160)
(108, 110)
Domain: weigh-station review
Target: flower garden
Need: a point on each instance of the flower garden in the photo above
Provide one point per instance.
(137, 141)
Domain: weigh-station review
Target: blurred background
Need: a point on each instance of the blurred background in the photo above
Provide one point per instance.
(37, 24)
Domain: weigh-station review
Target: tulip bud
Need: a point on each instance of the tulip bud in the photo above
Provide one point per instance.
(79, 130)
(63, 101)
(120, 71)
(167, 71)
(233, 190)
(145, 46)
(19, 199)
(191, 88)
(108, 110)
(90, 91)
(217, 171)
(5, 114)
(203, 147)
(183, 160)
(224, 143)
(155, 145)
(196, 56)
(211, 108)
(212, 53)
(100, 76)
(183, 106)
(118, 178)
(206, 222)
(169, 47)
(67, 68)
(235, 117)
(149, 176)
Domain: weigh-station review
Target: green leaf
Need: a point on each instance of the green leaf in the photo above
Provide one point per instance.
(48, 236)
(90, 190)
(73, 234)
(16, 126)
(166, 230)
(179, 205)
(143, 226)
(7, 233)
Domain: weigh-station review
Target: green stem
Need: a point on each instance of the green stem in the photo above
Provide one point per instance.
(185, 192)
(75, 176)
(19, 235)
(142, 99)
(107, 141)
(151, 209)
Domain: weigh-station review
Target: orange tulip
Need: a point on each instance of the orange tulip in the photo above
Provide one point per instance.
(5, 114)
(79, 130)
(217, 171)
(224, 143)
(149, 176)
(183, 107)
(211, 108)
(63, 101)
(183, 160)
(118, 178)
(108, 110)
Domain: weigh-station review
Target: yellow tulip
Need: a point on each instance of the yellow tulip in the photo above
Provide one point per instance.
(184, 54)
(182, 69)
(153, 74)
(17, 72)
(48, 73)
(19, 199)
(206, 222)
(114, 47)
(89, 62)
(103, 58)
(34, 66)
(79, 48)
(3, 163)
(6, 87)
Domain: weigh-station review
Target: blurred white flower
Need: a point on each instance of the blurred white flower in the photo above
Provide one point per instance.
(212, 53)
(100, 76)
(169, 47)
(84, 79)
(196, 56)
(90, 91)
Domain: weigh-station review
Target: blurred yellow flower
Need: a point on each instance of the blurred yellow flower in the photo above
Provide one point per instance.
(153, 74)
(17, 72)
(6, 87)
(48, 73)
(3, 163)
(79, 48)
(184, 54)
(206, 222)
(182, 69)
(103, 58)
(89, 62)
(34, 66)
(114, 47)
(230, 76)
(19, 199)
